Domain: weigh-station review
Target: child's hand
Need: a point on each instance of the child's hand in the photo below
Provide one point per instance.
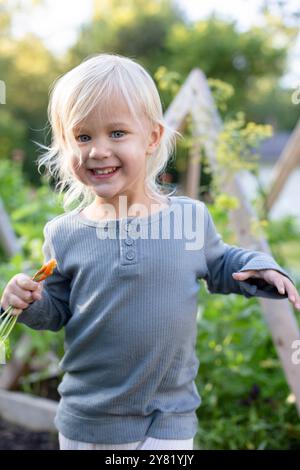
(281, 282)
(19, 292)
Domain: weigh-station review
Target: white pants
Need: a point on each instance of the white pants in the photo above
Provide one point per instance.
(149, 443)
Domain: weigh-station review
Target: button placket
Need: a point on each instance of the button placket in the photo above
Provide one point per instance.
(128, 247)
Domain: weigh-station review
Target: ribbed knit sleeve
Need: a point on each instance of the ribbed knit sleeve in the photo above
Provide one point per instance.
(52, 311)
(222, 260)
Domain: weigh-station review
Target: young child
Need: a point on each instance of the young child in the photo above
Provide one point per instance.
(127, 280)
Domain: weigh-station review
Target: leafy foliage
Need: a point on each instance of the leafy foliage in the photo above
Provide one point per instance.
(246, 402)
(29, 210)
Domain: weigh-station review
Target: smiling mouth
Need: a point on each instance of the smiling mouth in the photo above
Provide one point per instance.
(103, 174)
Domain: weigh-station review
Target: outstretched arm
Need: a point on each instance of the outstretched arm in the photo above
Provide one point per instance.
(273, 278)
(224, 260)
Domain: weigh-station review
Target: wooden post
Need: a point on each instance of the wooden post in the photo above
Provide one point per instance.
(195, 97)
(288, 161)
(8, 239)
(193, 170)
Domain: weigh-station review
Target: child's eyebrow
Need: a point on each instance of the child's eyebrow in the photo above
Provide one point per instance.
(118, 123)
(85, 128)
(79, 129)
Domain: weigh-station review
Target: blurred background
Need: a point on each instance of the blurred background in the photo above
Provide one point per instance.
(249, 52)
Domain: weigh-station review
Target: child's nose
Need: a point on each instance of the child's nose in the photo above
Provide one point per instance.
(100, 149)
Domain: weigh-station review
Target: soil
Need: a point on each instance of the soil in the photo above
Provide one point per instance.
(13, 437)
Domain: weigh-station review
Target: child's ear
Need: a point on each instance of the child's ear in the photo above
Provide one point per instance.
(155, 138)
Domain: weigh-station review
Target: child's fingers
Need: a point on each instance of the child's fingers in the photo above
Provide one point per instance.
(240, 276)
(292, 293)
(37, 295)
(18, 296)
(18, 293)
(17, 302)
(25, 282)
(244, 275)
(25, 295)
(280, 286)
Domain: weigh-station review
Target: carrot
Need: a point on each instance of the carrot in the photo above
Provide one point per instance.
(9, 321)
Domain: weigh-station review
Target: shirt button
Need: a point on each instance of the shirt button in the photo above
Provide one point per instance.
(128, 241)
(130, 254)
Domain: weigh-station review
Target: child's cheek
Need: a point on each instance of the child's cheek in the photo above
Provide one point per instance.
(76, 166)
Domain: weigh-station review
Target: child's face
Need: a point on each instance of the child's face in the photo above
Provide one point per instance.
(115, 141)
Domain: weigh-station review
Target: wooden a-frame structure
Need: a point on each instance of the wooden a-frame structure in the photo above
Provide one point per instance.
(195, 98)
(287, 162)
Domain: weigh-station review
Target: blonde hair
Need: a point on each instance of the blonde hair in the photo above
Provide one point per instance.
(75, 94)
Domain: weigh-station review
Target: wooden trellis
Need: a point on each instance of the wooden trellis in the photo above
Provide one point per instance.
(195, 98)
(8, 239)
(286, 164)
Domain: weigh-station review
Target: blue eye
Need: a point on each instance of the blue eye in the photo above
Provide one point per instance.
(82, 137)
(118, 132)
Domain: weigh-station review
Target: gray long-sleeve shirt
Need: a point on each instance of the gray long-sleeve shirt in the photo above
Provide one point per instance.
(126, 293)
